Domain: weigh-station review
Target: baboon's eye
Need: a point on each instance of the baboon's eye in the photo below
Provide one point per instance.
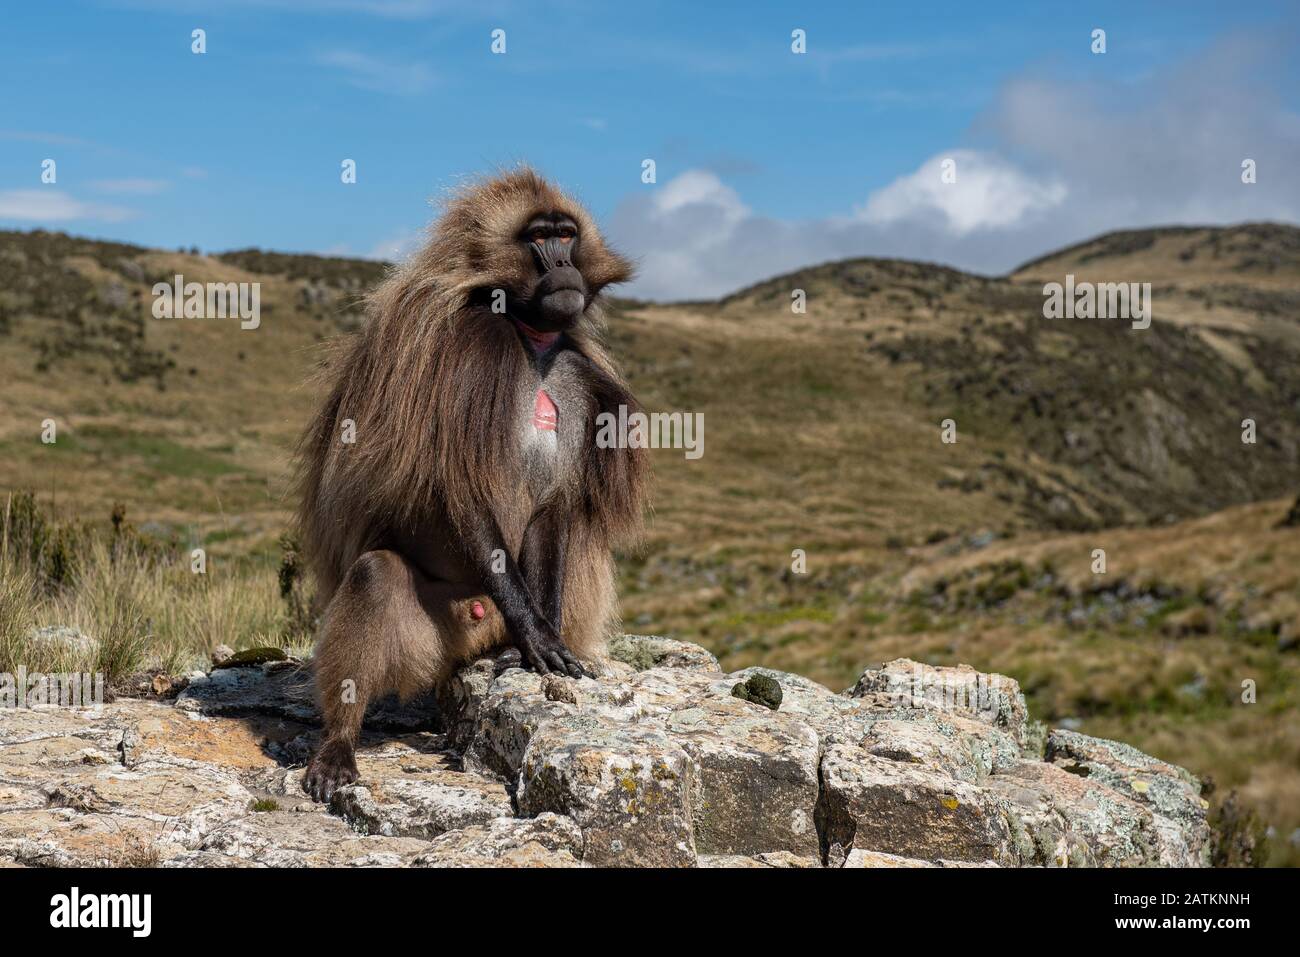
(537, 236)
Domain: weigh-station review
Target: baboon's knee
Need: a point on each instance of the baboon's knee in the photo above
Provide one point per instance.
(372, 576)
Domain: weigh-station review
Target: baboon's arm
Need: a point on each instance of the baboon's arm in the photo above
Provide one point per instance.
(537, 638)
(545, 549)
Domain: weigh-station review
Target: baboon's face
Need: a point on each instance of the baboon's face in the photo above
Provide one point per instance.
(556, 293)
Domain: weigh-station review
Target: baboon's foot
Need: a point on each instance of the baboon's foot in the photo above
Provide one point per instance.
(333, 766)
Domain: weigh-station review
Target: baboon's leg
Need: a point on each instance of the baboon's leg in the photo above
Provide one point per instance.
(388, 628)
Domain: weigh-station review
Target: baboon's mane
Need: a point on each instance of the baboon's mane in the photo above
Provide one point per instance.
(431, 380)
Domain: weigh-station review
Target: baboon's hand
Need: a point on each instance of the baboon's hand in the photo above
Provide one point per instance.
(544, 651)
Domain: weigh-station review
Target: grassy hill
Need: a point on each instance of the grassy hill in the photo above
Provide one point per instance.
(822, 434)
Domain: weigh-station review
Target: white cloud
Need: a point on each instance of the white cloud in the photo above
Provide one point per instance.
(985, 192)
(1060, 161)
(687, 235)
(49, 206)
(381, 76)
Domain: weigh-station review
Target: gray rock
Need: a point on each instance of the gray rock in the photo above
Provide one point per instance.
(459, 700)
(757, 778)
(629, 789)
(548, 840)
(1069, 820)
(513, 709)
(643, 652)
(1170, 792)
(289, 839)
(901, 808)
(406, 793)
(662, 766)
(990, 698)
(835, 717)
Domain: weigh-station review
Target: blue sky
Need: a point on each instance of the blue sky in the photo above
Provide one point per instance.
(766, 160)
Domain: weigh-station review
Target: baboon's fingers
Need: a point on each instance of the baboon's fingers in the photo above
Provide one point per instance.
(536, 660)
(331, 768)
(573, 665)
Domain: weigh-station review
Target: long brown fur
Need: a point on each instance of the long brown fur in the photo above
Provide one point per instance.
(431, 383)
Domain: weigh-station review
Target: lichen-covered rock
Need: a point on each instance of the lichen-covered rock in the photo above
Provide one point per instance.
(628, 788)
(643, 652)
(1117, 831)
(67, 837)
(459, 700)
(915, 766)
(835, 717)
(548, 840)
(292, 839)
(513, 708)
(875, 859)
(959, 747)
(757, 777)
(907, 809)
(418, 795)
(280, 689)
(1045, 833)
(990, 698)
(171, 736)
(1171, 793)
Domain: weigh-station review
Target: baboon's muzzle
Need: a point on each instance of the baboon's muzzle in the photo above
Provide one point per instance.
(561, 293)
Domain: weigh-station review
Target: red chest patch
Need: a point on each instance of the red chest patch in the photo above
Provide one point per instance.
(545, 415)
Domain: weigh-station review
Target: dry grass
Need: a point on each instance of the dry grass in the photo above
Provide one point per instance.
(144, 604)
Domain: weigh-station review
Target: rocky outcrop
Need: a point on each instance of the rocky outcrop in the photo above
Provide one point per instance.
(657, 762)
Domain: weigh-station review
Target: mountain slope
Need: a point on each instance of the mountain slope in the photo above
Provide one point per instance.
(822, 436)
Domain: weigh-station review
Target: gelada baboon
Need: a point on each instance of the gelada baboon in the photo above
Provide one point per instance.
(454, 500)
